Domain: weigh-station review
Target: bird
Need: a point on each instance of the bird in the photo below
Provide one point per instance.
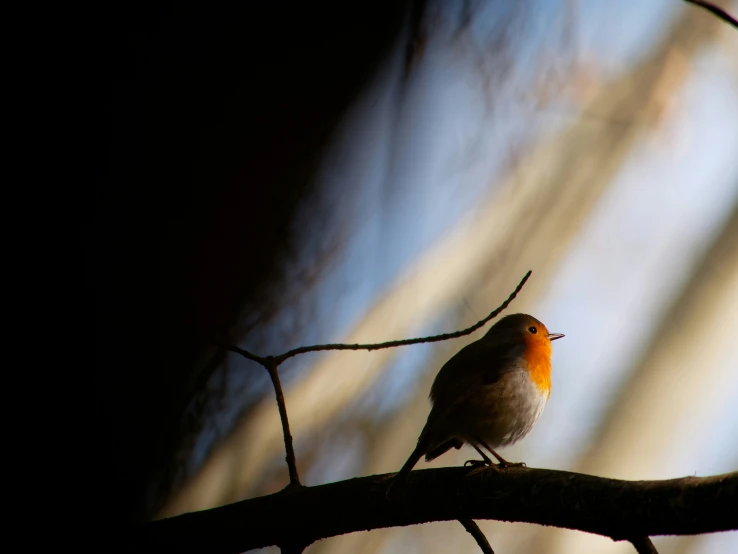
(489, 394)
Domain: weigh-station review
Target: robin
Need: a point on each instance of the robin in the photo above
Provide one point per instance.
(490, 393)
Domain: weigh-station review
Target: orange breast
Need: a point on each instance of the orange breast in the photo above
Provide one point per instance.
(538, 356)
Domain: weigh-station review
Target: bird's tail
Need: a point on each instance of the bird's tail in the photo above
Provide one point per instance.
(443, 448)
(407, 468)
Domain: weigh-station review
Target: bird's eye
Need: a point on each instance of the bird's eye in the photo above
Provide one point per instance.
(533, 330)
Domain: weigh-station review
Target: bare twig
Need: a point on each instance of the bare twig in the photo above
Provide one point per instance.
(406, 342)
(643, 545)
(271, 367)
(246, 354)
(612, 508)
(719, 12)
(474, 530)
(380, 345)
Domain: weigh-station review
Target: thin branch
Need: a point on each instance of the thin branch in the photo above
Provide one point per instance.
(471, 526)
(643, 545)
(271, 367)
(719, 12)
(406, 342)
(613, 508)
(380, 345)
(271, 363)
(245, 354)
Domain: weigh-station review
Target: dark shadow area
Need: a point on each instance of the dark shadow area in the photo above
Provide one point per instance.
(215, 119)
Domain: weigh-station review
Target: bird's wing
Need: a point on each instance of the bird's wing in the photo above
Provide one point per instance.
(478, 364)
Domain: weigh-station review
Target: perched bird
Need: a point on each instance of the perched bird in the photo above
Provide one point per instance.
(490, 393)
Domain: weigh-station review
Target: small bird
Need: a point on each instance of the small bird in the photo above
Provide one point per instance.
(489, 394)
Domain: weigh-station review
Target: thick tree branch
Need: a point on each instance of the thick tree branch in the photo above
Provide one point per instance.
(719, 12)
(613, 508)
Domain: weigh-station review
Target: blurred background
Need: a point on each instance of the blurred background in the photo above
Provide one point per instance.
(397, 177)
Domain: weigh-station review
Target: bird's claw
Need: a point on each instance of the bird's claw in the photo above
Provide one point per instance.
(477, 463)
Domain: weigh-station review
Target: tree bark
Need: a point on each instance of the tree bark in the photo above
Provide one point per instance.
(614, 508)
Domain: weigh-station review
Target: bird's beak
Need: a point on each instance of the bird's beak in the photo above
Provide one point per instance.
(554, 336)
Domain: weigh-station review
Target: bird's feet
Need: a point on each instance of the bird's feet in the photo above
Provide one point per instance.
(479, 466)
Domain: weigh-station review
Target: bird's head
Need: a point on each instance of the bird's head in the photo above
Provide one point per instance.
(523, 326)
(537, 344)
